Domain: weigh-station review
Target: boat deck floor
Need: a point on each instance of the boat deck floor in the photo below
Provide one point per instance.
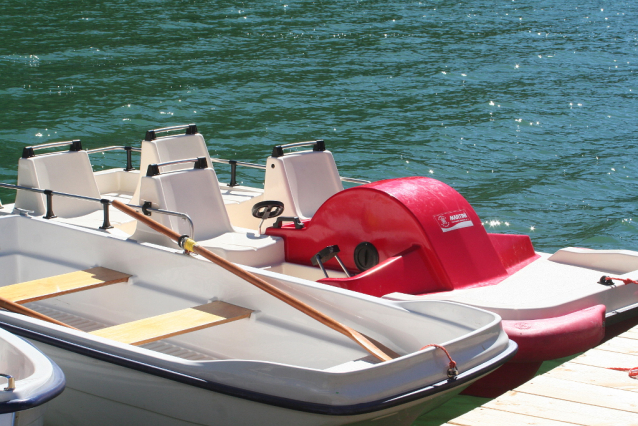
(584, 391)
(90, 325)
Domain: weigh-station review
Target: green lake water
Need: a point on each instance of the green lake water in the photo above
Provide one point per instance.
(527, 108)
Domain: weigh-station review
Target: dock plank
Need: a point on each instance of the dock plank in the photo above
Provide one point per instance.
(606, 359)
(560, 410)
(630, 334)
(174, 323)
(43, 288)
(583, 393)
(488, 417)
(620, 345)
(599, 376)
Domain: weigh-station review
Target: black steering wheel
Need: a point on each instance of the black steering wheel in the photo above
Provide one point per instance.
(273, 208)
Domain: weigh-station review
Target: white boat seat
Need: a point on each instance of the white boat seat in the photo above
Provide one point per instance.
(70, 172)
(196, 193)
(302, 181)
(171, 148)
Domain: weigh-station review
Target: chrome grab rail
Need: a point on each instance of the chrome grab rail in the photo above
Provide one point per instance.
(113, 148)
(233, 168)
(128, 149)
(295, 144)
(151, 135)
(145, 209)
(234, 164)
(353, 180)
(51, 145)
(153, 169)
(318, 145)
(29, 151)
(239, 163)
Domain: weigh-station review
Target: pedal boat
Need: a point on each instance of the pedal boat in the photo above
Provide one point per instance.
(32, 380)
(162, 338)
(407, 239)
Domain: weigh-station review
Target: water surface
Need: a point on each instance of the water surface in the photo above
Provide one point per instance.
(528, 109)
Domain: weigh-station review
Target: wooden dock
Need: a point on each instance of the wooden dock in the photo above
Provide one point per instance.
(583, 391)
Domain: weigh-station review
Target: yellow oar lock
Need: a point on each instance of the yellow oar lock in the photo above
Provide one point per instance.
(187, 243)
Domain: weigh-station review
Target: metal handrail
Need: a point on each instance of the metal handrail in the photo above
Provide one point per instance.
(51, 145)
(128, 149)
(76, 145)
(317, 145)
(153, 169)
(113, 148)
(239, 163)
(353, 180)
(105, 203)
(168, 213)
(234, 164)
(29, 151)
(151, 135)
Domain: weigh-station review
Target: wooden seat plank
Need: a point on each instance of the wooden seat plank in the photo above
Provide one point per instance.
(174, 323)
(43, 288)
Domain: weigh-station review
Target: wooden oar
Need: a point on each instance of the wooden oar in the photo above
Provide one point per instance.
(191, 245)
(19, 309)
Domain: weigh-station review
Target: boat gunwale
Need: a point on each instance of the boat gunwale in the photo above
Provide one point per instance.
(288, 403)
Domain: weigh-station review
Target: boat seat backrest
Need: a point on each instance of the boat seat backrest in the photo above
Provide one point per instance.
(194, 192)
(171, 148)
(302, 181)
(69, 172)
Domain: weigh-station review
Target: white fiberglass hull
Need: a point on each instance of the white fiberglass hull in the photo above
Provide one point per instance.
(276, 367)
(102, 393)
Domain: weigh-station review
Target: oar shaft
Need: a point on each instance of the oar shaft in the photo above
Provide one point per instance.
(292, 301)
(258, 282)
(19, 309)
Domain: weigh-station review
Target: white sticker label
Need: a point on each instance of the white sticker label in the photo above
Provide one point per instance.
(453, 220)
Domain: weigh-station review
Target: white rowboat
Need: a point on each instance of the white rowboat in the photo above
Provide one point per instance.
(162, 338)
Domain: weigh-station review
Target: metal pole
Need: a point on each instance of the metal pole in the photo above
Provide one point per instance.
(105, 206)
(50, 214)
